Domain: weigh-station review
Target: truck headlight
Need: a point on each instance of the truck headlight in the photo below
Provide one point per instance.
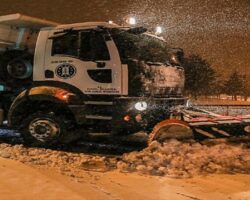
(176, 56)
(141, 105)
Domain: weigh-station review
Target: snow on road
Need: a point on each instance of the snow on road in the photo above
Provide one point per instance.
(174, 159)
(143, 175)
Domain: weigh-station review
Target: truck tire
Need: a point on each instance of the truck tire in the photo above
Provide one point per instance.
(15, 65)
(170, 129)
(42, 129)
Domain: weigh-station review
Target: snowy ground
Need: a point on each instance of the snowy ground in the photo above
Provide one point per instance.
(28, 182)
(174, 159)
(203, 171)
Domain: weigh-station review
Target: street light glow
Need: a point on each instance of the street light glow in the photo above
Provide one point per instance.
(131, 20)
(158, 30)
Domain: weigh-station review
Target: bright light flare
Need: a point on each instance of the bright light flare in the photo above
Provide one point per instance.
(131, 21)
(141, 105)
(126, 118)
(158, 30)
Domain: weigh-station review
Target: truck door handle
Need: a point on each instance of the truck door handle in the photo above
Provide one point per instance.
(100, 64)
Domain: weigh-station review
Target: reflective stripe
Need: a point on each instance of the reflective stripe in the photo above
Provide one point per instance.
(220, 131)
(204, 133)
(229, 122)
(201, 123)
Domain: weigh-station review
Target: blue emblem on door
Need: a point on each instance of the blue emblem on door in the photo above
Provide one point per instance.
(65, 71)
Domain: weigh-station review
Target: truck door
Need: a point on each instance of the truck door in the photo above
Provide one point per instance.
(86, 59)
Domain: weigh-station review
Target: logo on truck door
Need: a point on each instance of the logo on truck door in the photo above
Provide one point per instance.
(65, 71)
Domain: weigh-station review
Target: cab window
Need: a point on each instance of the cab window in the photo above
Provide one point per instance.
(93, 46)
(66, 45)
(140, 47)
(86, 45)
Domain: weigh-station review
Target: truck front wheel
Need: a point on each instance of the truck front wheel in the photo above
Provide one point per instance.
(42, 129)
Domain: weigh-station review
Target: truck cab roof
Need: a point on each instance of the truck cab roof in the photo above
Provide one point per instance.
(89, 25)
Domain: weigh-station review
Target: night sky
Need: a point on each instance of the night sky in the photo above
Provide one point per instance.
(218, 30)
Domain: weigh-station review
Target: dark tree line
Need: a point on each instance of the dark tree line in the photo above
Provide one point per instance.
(202, 80)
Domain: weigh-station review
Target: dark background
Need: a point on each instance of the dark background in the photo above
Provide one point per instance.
(218, 30)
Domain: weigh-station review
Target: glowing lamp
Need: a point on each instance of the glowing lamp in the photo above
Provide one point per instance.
(126, 118)
(158, 30)
(131, 20)
(141, 105)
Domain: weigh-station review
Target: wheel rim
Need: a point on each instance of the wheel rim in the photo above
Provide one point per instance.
(44, 129)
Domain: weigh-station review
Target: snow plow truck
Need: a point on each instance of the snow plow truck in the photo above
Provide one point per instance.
(97, 77)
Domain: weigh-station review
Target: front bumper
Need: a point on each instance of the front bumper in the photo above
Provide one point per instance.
(157, 110)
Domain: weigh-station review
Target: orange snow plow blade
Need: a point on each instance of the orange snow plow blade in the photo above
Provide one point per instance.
(171, 129)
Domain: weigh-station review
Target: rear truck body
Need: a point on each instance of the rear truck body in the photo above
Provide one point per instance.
(18, 37)
(96, 77)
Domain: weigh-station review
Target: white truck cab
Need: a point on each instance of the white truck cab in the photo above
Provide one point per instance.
(101, 77)
(88, 53)
(82, 55)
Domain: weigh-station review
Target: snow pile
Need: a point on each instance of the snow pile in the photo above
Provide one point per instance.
(174, 159)
(178, 159)
(68, 163)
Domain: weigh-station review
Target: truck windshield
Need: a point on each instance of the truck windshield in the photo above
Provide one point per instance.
(142, 47)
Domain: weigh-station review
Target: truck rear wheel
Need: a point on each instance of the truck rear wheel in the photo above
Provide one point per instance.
(42, 129)
(170, 129)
